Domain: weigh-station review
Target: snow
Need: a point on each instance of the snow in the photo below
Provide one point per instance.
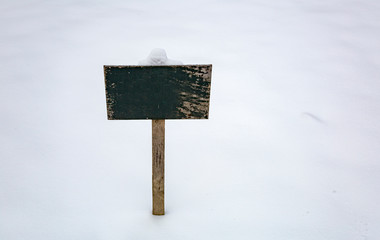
(158, 57)
(290, 150)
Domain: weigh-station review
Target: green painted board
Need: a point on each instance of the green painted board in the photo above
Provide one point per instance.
(158, 92)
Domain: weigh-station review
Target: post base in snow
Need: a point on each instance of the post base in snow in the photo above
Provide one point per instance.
(158, 166)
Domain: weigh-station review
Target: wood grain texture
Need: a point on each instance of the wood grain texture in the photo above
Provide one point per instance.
(158, 166)
(158, 92)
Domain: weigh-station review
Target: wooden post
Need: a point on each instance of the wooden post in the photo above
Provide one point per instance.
(158, 166)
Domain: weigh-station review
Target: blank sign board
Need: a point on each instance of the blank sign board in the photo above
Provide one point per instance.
(158, 92)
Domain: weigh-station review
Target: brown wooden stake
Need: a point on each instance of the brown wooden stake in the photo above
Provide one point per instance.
(158, 166)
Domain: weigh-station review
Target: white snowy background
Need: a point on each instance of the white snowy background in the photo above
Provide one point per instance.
(291, 149)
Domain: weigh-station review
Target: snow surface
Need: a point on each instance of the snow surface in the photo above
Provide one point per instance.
(158, 57)
(291, 149)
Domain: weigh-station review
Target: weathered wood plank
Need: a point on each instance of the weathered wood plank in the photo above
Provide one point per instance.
(158, 166)
(158, 92)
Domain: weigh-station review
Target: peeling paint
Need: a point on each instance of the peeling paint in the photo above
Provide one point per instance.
(158, 92)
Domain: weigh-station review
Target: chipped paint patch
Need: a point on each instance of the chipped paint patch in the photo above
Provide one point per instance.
(158, 92)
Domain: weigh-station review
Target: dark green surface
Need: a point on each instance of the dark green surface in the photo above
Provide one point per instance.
(158, 92)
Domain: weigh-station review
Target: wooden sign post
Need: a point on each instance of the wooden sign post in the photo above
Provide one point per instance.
(158, 93)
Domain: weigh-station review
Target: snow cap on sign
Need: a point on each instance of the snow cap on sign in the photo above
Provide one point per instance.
(158, 57)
